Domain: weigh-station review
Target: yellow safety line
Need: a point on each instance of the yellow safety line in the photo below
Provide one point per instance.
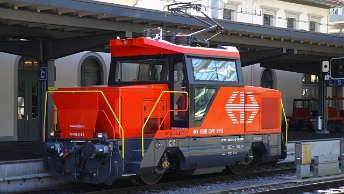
(144, 125)
(119, 124)
(45, 115)
(119, 109)
(55, 117)
(86, 91)
(286, 124)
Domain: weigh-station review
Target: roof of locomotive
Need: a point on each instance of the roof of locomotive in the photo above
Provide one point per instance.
(259, 89)
(147, 46)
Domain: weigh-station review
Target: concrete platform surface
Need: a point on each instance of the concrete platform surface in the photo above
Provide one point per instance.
(25, 175)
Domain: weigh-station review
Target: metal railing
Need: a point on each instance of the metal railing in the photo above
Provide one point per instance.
(151, 112)
(286, 124)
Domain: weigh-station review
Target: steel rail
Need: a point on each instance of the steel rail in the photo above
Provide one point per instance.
(193, 180)
(292, 186)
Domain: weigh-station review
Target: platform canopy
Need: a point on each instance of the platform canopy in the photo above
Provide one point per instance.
(57, 28)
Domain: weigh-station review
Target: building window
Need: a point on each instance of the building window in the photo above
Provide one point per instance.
(267, 79)
(27, 63)
(229, 10)
(312, 26)
(310, 86)
(334, 11)
(310, 92)
(267, 20)
(308, 78)
(291, 23)
(91, 72)
(292, 19)
(227, 14)
(269, 15)
(314, 21)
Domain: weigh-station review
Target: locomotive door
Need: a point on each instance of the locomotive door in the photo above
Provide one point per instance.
(27, 118)
(178, 100)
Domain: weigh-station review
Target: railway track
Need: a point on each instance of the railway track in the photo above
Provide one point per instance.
(315, 185)
(190, 181)
(168, 182)
(330, 186)
(308, 187)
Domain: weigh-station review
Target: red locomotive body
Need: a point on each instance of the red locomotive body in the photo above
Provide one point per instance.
(85, 111)
(131, 128)
(166, 107)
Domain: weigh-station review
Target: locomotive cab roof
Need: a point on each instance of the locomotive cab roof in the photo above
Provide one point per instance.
(147, 46)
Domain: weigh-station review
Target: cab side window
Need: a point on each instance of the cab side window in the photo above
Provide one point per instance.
(142, 70)
(203, 97)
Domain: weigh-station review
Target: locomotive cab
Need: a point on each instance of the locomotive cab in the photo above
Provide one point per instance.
(192, 81)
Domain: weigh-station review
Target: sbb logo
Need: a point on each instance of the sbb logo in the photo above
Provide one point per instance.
(242, 107)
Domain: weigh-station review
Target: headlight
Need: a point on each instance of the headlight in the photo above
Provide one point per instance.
(100, 135)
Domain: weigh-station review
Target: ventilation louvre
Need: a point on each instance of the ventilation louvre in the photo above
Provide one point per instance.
(270, 113)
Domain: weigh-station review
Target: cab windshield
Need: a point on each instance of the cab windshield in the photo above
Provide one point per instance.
(205, 69)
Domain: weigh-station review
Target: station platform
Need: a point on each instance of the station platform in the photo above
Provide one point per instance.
(304, 135)
(17, 150)
(25, 175)
(22, 170)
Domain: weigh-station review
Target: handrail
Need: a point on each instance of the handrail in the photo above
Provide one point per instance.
(286, 124)
(119, 110)
(83, 91)
(176, 110)
(149, 115)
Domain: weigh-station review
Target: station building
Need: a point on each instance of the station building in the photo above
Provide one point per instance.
(19, 75)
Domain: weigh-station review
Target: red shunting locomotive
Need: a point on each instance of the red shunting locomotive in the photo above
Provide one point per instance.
(167, 107)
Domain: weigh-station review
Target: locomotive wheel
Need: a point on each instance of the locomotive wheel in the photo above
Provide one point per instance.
(150, 179)
(103, 170)
(59, 164)
(338, 125)
(237, 168)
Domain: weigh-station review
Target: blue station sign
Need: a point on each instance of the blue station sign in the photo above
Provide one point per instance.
(43, 73)
(335, 83)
